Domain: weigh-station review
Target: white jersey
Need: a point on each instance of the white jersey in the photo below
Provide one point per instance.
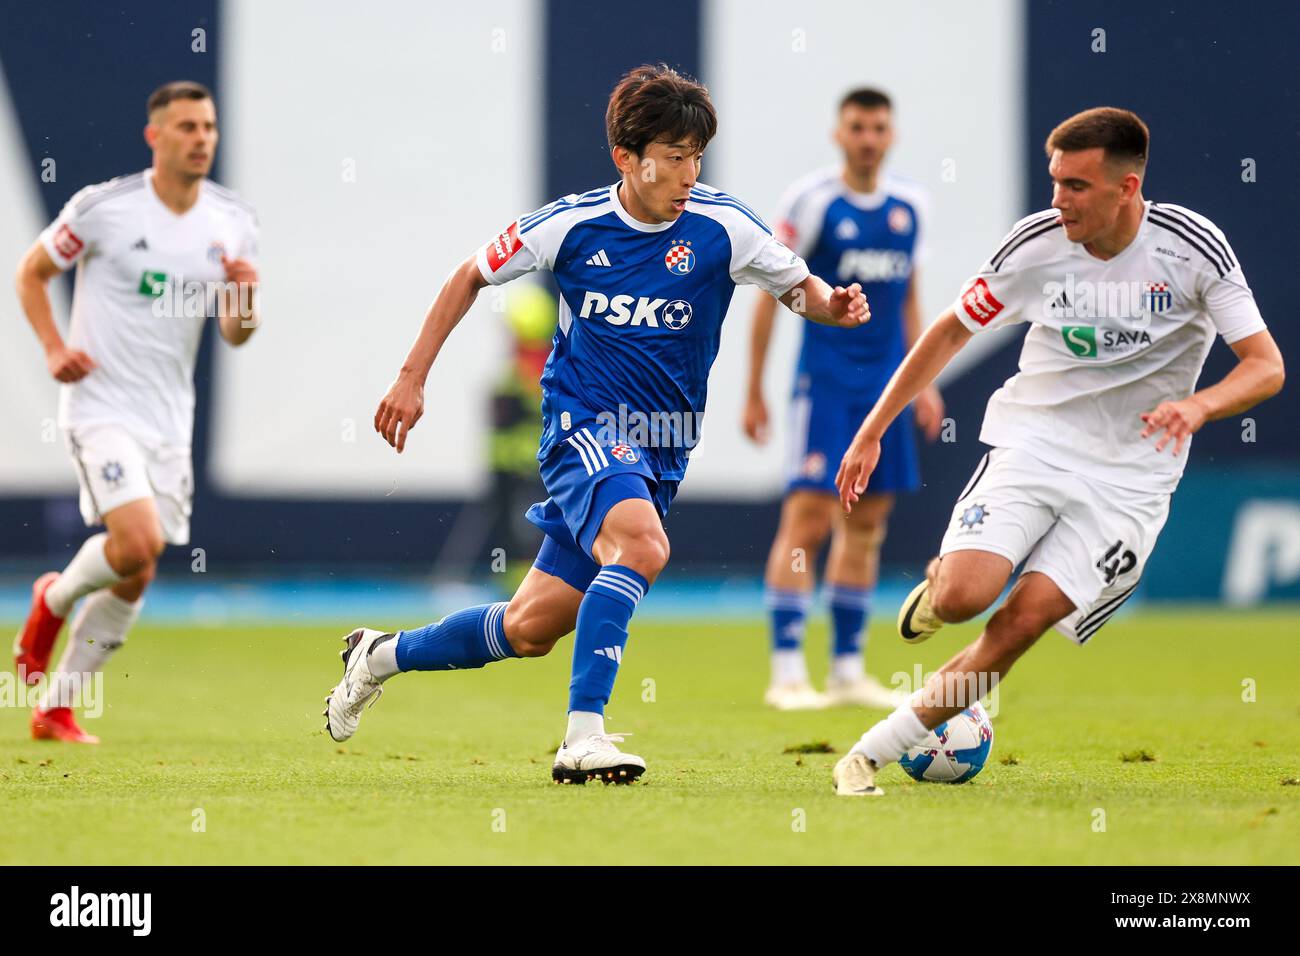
(135, 307)
(1108, 340)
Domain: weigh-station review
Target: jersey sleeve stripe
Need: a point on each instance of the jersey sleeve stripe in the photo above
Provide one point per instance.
(700, 193)
(1186, 237)
(733, 205)
(1028, 236)
(1036, 220)
(538, 219)
(1211, 239)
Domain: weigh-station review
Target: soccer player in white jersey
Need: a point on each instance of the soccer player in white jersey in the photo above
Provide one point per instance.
(156, 253)
(1123, 297)
(852, 223)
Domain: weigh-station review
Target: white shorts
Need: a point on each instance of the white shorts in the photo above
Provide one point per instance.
(1091, 538)
(114, 469)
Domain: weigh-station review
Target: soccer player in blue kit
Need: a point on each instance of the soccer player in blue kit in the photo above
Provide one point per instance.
(646, 268)
(853, 223)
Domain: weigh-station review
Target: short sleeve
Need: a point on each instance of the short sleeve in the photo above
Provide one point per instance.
(1232, 308)
(769, 264)
(506, 257)
(800, 214)
(72, 234)
(991, 298)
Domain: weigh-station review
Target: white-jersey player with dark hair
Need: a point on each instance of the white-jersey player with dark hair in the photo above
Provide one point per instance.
(1124, 298)
(156, 253)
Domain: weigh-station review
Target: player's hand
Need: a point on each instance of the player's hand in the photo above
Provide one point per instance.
(69, 365)
(858, 464)
(239, 270)
(755, 419)
(401, 408)
(929, 412)
(848, 307)
(1179, 421)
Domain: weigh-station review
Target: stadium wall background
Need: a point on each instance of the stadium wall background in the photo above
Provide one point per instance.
(512, 99)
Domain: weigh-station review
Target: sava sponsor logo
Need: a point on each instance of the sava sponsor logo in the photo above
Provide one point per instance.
(874, 265)
(75, 908)
(1089, 341)
(1086, 299)
(633, 310)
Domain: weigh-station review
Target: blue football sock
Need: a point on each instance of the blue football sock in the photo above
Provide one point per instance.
(850, 608)
(603, 617)
(467, 639)
(787, 609)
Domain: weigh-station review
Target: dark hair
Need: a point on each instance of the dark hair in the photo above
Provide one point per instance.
(176, 90)
(867, 97)
(653, 103)
(1120, 133)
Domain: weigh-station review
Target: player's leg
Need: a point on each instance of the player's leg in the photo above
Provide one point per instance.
(134, 540)
(543, 609)
(852, 569)
(631, 549)
(1007, 506)
(1035, 604)
(806, 520)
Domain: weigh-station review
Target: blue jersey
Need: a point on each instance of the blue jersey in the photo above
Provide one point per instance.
(640, 311)
(855, 237)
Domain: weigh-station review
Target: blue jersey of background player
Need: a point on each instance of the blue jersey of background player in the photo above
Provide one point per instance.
(851, 223)
(646, 269)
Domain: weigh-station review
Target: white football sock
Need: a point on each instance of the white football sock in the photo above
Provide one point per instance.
(892, 737)
(789, 667)
(382, 659)
(99, 629)
(848, 668)
(583, 724)
(88, 571)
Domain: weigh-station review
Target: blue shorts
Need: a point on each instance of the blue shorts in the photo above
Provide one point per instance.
(586, 476)
(823, 422)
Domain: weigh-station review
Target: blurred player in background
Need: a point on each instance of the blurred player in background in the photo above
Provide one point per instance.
(646, 268)
(852, 223)
(1124, 297)
(157, 252)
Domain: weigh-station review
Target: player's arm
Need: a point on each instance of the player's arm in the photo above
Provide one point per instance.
(1258, 375)
(818, 302)
(403, 405)
(237, 316)
(33, 282)
(760, 335)
(929, 404)
(932, 352)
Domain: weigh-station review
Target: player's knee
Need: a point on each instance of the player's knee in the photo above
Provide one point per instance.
(865, 535)
(646, 553)
(133, 588)
(137, 550)
(956, 601)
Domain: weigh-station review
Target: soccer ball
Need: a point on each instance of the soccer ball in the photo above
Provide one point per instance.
(955, 751)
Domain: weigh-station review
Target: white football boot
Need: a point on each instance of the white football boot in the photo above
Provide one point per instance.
(358, 687)
(864, 691)
(794, 695)
(917, 621)
(596, 758)
(855, 776)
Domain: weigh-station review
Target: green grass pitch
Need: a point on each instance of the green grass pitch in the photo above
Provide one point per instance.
(213, 753)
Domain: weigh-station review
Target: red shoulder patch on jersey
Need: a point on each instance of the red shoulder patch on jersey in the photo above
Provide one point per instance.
(980, 303)
(67, 243)
(504, 246)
